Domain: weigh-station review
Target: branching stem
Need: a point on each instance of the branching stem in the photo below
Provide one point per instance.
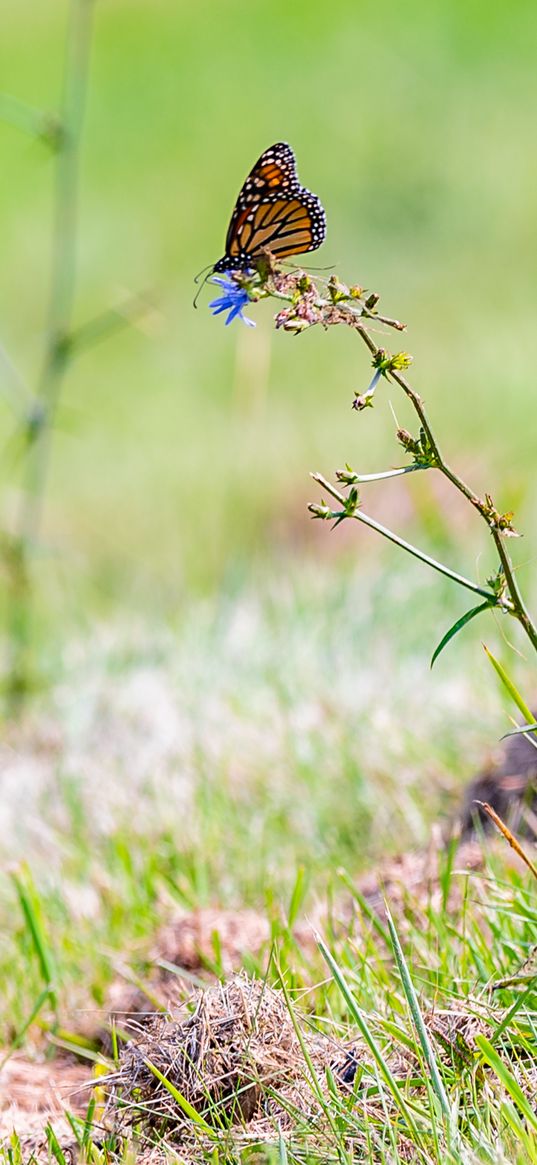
(355, 315)
(517, 606)
(392, 537)
(519, 610)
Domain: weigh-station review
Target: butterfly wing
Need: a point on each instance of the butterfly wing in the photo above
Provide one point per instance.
(274, 211)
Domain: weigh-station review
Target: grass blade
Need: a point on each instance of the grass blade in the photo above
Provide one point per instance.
(297, 897)
(31, 909)
(360, 1021)
(181, 1100)
(494, 1060)
(423, 1035)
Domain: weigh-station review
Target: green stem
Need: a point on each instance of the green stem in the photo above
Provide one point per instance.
(64, 251)
(518, 609)
(355, 315)
(389, 534)
(519, 606)
(364, 478)
(57, 351)
(14, 389)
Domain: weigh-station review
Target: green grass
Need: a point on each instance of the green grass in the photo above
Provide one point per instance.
(192, 768)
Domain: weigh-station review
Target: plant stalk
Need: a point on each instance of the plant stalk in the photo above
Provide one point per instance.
(518, 607)
(392, 537)
(57, 353)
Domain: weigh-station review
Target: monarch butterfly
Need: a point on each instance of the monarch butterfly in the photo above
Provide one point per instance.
(273, 211)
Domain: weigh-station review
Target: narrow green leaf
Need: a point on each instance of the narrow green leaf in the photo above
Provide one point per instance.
(88, 1122)
(521, 730)
(181, 1100)
(31, 909)
(511, 1116)
(297, 897)
(115, 1043)
(509, 1015)
(458, 627)
(509, 685)
(423, 1035)
(368, 910)
(22, 116)
(54, 1145)
(316, 1087)
(19, 1037)
(74, 1123)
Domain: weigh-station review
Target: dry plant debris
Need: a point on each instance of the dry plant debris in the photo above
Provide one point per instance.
(187, 942)
(199, 943)
(235, 1064)
(237, 1059)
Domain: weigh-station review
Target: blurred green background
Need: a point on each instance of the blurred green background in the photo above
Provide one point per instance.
(182, 450)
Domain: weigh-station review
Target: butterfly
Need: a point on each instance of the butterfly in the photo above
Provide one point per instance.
(273, 211)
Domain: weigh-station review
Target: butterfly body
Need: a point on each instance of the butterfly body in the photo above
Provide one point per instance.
(273, 213)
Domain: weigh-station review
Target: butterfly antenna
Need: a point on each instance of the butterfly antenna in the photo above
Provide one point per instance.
(205, 271)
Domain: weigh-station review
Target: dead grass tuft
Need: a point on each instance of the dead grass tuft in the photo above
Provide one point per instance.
(199, 943)
(236, 1058)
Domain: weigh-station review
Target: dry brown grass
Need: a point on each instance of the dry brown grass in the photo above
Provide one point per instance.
(33, 1095)
(237, 1058)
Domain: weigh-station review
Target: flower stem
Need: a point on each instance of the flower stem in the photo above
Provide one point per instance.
(389, 534)
(363, 478)
(518, 607)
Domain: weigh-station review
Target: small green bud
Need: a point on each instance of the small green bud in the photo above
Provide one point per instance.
(498, 583)
(320, 510)
(497, 521)
(388, 363)
(409, 443)
(347, 476)
(305, 283)
(419, 448)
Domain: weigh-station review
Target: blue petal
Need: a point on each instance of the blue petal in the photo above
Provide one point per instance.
(235, 310)
(222, 302)
(233, 301)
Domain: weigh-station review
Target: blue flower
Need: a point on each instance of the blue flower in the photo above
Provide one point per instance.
(233, 300)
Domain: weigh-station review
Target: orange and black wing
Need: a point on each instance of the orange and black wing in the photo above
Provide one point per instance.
(274, 211)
